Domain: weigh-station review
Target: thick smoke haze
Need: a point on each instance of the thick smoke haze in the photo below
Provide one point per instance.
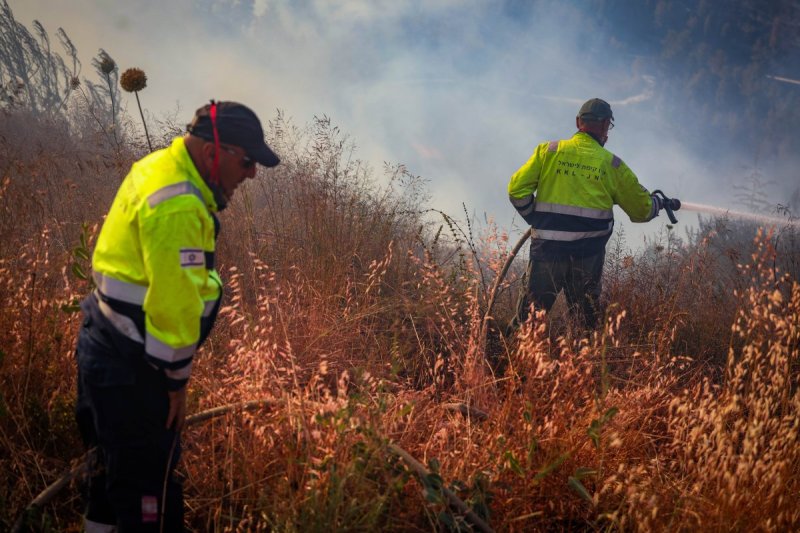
(462, 91)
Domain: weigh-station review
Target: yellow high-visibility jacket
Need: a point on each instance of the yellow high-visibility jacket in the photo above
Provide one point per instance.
(566, 192)
(154, 260)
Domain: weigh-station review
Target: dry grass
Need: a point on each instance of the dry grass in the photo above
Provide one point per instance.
(361, 320)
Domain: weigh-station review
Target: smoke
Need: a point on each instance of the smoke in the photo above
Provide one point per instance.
(461, 92)
(645, 95)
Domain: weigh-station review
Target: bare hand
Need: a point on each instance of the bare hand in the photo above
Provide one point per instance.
(177, 408)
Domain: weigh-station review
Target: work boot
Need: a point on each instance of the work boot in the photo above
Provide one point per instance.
(90, 526)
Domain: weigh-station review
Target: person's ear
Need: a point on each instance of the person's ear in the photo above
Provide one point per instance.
(208, 153)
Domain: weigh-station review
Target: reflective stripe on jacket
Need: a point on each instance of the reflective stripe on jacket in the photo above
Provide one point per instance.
(566, 192)
(154, 260)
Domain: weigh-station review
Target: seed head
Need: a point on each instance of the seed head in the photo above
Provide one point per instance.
(105, 63)
(133, 80)
(74, 83)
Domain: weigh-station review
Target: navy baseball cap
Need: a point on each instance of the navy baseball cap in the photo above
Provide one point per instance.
(596, 109)
(237, 125)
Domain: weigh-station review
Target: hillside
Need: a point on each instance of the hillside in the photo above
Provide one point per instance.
(352, 318)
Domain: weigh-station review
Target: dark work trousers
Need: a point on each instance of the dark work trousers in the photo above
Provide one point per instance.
(579, 276)
(122, 410)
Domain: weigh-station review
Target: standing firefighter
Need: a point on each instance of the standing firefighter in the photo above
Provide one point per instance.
(156, 301)
(566, 192)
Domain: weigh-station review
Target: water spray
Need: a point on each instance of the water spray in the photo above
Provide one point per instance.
(673, 204)
(719, 211)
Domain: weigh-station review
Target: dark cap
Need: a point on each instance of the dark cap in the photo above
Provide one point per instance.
(237, 125)
(596, 109)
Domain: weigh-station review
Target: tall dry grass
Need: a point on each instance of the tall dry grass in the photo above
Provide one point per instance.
(360, 319)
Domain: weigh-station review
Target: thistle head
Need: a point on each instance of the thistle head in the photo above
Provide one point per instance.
(133, 80)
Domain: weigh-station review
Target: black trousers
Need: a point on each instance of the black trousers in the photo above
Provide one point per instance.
(121, 411)
(580, 277)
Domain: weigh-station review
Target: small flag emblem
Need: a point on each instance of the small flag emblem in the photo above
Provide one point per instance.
(192, 258)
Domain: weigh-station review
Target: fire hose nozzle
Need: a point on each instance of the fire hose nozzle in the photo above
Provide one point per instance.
(670, 205)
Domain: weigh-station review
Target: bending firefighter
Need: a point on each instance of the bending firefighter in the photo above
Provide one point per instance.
(566, 192)
(156, 301)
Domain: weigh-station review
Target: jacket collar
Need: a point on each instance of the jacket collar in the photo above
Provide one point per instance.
(178, 150)
(588, 134)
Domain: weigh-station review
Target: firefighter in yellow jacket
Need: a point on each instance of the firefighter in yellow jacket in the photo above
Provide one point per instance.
(156, 301)
(566, 192)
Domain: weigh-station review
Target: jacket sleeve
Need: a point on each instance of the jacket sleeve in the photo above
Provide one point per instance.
(172, 246)
(524, 182)
(632, 197)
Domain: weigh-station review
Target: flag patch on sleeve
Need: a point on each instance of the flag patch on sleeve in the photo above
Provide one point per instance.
(192, 258)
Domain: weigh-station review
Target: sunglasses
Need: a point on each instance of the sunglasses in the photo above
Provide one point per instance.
(245, 161)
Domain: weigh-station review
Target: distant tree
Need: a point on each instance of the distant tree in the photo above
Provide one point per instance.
(716, 63)
(752, 194)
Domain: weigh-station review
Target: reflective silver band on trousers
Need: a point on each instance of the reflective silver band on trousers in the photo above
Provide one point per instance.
(90, 526)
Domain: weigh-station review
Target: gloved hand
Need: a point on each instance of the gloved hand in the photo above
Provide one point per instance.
(177, 408)
(660, 201)
(658, 204)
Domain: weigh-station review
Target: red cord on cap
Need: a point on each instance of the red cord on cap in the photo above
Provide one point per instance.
(215, 168)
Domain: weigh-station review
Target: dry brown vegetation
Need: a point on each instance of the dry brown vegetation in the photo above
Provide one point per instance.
(355, 312)
(360, 320)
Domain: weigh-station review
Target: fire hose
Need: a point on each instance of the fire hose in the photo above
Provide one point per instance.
(670, 205)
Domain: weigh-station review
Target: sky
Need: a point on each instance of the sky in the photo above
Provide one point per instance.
(459, 91)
